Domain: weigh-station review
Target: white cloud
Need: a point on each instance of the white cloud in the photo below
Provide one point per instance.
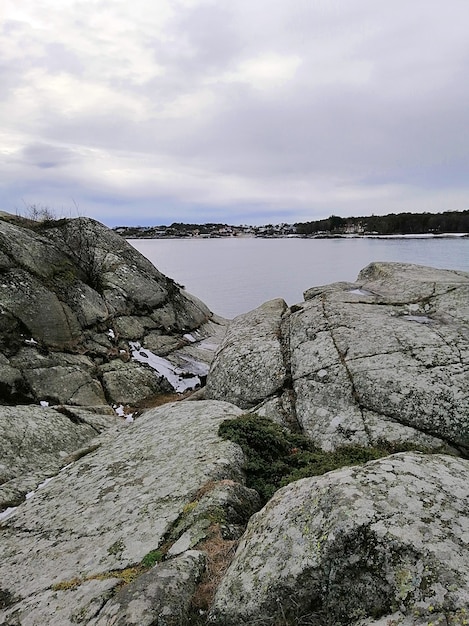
(268, 70)
(310, 105)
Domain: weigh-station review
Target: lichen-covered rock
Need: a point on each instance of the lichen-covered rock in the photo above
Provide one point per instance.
(131, 383)
(109, 509)
(361, 545)
(35, 442)
(161, 596)
(249, 366)
(382, 359)
(75, 288)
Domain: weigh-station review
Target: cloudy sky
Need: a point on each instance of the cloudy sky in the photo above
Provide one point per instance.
(237, 111)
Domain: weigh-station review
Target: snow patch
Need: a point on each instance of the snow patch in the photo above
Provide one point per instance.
(179, 379)
(192, 366)
(45, 482)
(7, 512)
(44, 403)
(360, 292)
(120, 411)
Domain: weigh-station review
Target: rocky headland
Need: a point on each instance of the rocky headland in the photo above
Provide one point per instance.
(117, 511)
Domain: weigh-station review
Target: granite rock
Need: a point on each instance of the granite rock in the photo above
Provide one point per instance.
(385, 541)
(74, 288)
(65, 550)
(385, 359)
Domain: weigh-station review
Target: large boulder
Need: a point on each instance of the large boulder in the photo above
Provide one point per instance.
(156, 489)
(385, 543)
(382, 359)
(76, 294)
(250, 366)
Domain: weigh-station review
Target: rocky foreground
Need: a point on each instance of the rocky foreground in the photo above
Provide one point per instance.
(106, 521)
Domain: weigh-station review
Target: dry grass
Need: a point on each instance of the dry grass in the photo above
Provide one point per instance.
(210, 486)
(156, 401)
(126, 576)
(219, 553)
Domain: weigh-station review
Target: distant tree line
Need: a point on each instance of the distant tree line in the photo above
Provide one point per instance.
(391, 224)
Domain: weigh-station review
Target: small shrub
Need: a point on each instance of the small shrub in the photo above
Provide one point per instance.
(276, 457)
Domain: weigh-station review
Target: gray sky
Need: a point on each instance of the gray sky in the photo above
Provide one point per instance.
(237, 111)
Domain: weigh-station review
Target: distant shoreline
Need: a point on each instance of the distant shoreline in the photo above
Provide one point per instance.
(317, 236)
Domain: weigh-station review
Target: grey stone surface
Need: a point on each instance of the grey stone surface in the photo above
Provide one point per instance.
(35, 442)
(59, 378)
(160, 597)
(162, 345)
(355, 381)
(12, 383)
(249, 366)
(109, 509)
(38, 309)
(74, 287)
(385, 540)
(382, 359)
(128, 327)
(132, 383)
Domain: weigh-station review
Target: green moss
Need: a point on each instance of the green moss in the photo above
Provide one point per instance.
(276, 457)
(152, 558)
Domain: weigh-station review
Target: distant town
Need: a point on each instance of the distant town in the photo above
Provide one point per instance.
(448, 222)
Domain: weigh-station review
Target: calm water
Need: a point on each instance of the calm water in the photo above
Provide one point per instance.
(234, 275)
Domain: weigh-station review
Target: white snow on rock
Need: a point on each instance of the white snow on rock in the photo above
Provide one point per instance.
(7, 512)
(175, 376)
(120, 411)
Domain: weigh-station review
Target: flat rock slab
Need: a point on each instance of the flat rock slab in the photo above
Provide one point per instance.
(108, 510)
(385, 539)
(35, 442)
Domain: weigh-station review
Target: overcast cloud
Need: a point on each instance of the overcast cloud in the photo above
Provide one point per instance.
(238, 111)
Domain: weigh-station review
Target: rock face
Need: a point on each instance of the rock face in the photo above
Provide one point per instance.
(159, 483)
(382, 359)
(78, 303)
(36, 442)
(247, 371)
(385, 543)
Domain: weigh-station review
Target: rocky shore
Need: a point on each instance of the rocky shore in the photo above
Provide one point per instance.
(123, 501)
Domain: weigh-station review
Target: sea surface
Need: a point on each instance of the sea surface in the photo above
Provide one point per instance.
(235, 275)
